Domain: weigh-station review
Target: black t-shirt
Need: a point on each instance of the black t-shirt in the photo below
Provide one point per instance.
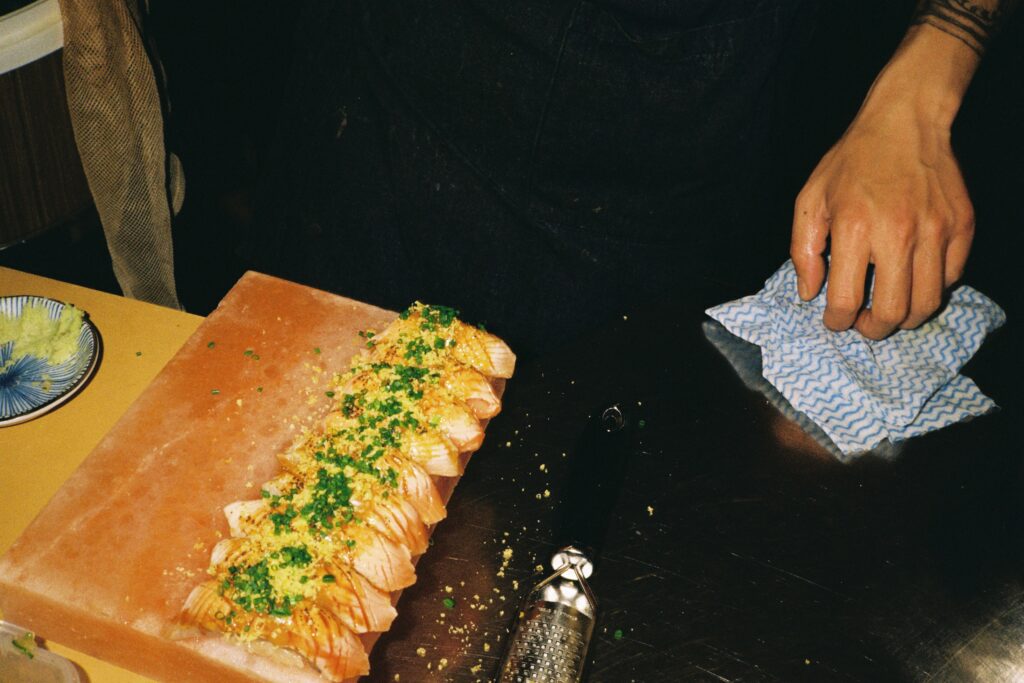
(605, 114)
(543, 165)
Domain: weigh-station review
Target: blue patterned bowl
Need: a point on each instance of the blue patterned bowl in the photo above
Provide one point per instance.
(31, 386)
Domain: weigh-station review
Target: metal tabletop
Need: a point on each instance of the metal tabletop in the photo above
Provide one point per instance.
(739, 548)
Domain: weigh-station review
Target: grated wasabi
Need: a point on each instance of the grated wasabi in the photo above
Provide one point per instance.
(34, 333)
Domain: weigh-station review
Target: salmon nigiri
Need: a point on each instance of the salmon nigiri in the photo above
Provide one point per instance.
(360, 605)
(385, 563)
(397, 519)
(454, 420)
(315, 633)
(435, 453)
(431, 335)
(380, 505)
(456, 382)
(434, 449)
(414, 482)
(473, 389)
(417, 487)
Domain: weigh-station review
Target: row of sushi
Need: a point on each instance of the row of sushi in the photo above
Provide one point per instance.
(312, 563)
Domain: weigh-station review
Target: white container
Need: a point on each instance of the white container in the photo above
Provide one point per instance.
(42, 667)
(30, 33)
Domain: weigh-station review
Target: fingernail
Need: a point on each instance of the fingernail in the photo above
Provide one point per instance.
(802, 288)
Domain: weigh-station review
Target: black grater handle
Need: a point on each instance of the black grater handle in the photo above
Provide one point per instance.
(595, 477)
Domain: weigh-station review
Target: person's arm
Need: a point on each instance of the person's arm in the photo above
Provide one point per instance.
(890, 192)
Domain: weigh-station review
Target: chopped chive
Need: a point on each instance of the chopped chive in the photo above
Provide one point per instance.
(259, 390)
(641, 424)
(214, 391)
(25, 644)
(329, 394)
(316, 349)
(138, 353)
(248, 352)
(211, 345)
(618, 634)
(328, 578)
(449, 603)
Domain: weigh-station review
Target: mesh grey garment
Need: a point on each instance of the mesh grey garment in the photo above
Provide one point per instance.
(118, 125)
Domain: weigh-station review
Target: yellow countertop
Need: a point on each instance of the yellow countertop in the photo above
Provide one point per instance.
(36, 457)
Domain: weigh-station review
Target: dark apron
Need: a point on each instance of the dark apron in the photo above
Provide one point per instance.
(544, 166)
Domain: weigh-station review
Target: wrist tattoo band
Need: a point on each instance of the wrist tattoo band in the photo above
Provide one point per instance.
(973, 23)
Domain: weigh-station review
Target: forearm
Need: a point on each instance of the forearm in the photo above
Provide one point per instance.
(931, 69)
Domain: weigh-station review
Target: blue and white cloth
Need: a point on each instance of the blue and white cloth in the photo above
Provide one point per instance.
(859, 391)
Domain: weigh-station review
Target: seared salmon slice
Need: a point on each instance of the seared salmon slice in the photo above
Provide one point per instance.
(383, 562)
(315, 633)
(397, 519)
(418, 488)
(358, 603)
(435, 453)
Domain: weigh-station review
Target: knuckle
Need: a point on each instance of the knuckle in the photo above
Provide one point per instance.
(842, 305)
(966, 225)
(890, 310)
(801, 202)
(799, 254)
(853, 227)
(919, 313)
(903, 216)
(805, 198)
(903, 234)
(931, 302)
(852, 215)
(933, 226)
(888, 316)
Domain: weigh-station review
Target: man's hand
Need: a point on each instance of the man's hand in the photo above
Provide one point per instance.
(890, 194)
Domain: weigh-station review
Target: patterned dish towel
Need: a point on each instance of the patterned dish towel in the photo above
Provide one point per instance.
(860, 391)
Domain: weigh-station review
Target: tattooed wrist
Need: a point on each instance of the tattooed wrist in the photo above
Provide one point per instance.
(973, 22)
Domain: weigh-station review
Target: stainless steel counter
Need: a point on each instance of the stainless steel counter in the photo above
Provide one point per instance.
(739, 548)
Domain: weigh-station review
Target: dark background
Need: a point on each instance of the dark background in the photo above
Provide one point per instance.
(228, 65)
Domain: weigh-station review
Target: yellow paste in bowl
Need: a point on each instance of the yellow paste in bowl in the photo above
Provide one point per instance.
(34, 333)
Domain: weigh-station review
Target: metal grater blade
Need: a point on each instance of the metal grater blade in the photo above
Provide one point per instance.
(550, 640)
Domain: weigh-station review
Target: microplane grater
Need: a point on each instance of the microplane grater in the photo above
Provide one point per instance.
(556, 621)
